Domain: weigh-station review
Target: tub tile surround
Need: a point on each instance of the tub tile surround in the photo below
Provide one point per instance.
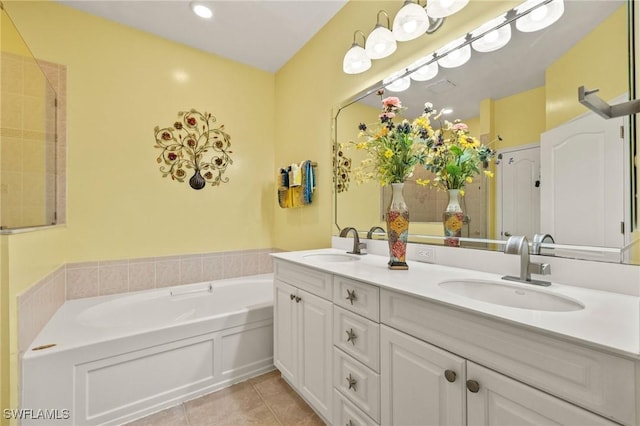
(89, 279)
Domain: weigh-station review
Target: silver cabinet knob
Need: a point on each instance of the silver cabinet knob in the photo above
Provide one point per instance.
(507, 233)
(351, 296)
(351, 336)
(292, 296)
(473, 386)
(352, 382)
(450, 375)
(298, 299)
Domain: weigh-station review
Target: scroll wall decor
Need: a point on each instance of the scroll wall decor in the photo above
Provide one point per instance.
(194, 143)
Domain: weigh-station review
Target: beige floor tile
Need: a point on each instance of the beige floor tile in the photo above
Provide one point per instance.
(290, 409)
(218, 407)
(259, 416)
(173, 416)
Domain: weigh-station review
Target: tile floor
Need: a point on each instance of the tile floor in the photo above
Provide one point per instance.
(263, 400)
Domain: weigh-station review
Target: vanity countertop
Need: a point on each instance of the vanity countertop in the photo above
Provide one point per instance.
(609, 321)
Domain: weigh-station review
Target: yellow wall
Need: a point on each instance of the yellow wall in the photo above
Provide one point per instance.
(601, 53)
(121, 84)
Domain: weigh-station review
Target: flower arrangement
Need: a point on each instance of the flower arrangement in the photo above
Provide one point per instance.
(449, 152)
(393, 150)
(453, 156)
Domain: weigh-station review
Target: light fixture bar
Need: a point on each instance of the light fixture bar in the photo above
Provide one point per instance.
(511, 16)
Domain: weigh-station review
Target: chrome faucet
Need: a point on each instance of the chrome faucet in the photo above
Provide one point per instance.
(520, 245)
(373, 230)
(358, 247)
(538, 240)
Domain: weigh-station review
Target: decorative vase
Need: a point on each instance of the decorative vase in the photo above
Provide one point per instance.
(452, 219)
(397, 228)
(197, 181)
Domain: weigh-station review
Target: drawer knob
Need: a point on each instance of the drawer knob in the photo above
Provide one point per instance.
(450, 375)
(292, 296)
(473, 386)
(351, 296)
(298, 299)
(352, 382)
(351, 336)
(350, 423)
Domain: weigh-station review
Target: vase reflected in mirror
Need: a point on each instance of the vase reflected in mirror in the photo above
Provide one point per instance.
(453, 219)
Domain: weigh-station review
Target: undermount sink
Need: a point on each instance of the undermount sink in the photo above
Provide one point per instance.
(510, 295)
(331, 257)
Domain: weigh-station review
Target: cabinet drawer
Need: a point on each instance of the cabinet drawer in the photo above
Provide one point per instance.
(358, 297)
(357, 336)
(345, 413)
(595, 380)
(358, 383)
(308, 279)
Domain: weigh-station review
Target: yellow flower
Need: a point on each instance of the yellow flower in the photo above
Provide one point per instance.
(461, 192)
(388, 153)
(423, 182)
(469, 179)
(361, 145)
(488, 173)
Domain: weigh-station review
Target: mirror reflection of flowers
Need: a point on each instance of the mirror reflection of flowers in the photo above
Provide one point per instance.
(453, 156)
(393, 150)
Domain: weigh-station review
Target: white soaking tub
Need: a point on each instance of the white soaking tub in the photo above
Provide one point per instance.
(117, 358)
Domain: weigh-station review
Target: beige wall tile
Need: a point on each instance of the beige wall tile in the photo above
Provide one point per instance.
(167, 272)
(114, 278)
(212, 267)
(251, 263)
(11, 110)
(83, 282)
(191, 269)
(142, 275)
(232, 265)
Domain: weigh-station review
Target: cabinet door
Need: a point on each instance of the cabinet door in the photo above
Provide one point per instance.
(420, 383)
(315, 351)
(285, 353)
(501, 401)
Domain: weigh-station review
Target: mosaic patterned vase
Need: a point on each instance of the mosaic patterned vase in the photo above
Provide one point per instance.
(397, 228)
(452, 219)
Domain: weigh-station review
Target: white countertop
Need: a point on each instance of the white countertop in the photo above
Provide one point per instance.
(609, 321)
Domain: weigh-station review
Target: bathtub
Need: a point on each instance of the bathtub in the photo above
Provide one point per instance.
(117, 358)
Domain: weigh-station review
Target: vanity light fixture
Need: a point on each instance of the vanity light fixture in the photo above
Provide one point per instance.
(424, 69)
(356, 60)
(410, 22)
(454, 54)
(494, 39)
(397, 82)
(381, 42)
(444, 8)
(201, 9)
(540, 15)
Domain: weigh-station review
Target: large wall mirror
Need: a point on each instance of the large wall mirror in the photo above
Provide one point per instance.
(29, 194)
(560, 169)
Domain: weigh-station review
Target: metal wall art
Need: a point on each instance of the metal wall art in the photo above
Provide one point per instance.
(193, 143)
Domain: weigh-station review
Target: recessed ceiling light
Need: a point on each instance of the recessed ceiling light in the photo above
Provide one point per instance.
(201, 10)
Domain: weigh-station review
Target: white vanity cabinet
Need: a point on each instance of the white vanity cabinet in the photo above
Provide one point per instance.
(363, 354)
(303, 348)
(423, 384)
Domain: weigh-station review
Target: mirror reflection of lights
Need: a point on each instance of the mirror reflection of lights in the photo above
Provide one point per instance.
(446, 111)
(395, 84)
(424, 72)
(201, 10)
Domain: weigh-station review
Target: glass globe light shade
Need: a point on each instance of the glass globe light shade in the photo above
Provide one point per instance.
(398, 84)
(424, 72)
(457, 56)
(539, 18)
(355, 60)
(494, 39)
(380, 43)
(410, 22)
(201, 10)
(444, 8)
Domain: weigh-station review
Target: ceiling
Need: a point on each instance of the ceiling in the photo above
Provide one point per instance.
(515, 68)
(261, 33)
